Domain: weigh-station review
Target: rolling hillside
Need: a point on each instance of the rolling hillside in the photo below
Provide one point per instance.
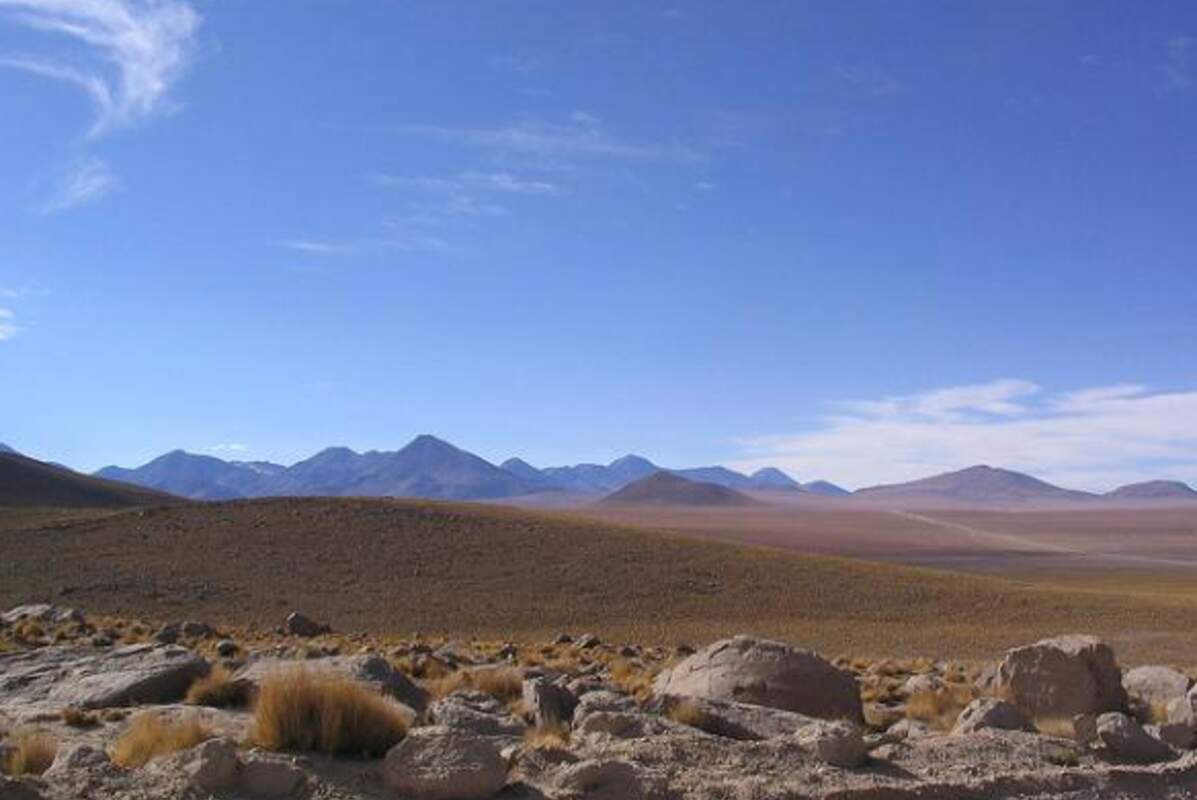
(28, 483)
(669, 489)
(975, 485)
(461, 570)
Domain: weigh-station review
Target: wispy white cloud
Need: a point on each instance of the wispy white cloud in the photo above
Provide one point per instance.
(137, 48)
(870, 79)
(1093, 438)
(504, 182)
(397, 238)
(8, 325)
(579, 138)
(228, 447)
(1176, 71)
(84, 182)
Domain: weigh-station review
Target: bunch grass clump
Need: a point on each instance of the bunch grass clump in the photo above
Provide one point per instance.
(150, 736)
(218, 689)
(302, 710)
(33, 753)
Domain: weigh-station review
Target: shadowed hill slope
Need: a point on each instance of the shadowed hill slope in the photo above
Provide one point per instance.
(404, 566)
(980, 484)
(668, 489)
(28, 483)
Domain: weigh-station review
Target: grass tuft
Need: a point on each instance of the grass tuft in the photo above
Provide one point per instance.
(940, 708)
(551, 736)
(218, 690)
(78, 718)
(150, 736)
(503, 683)
(301, 710)
(33, 753)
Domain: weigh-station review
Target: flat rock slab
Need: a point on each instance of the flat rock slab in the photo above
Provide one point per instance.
(54, 678)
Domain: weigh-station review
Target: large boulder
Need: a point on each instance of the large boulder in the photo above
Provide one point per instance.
(607, 779)
(438, 763)
(373, 670)
(1179, 725)
(59, 677)
(765, 673)
(1150, 689)
(1062, 677)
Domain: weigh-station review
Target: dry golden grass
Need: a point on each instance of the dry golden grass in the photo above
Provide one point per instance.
(1060, 727)
(502, 683)
(79, 718)
(687, 712)
(297, 709)
(632, 678)
(218, 690)
(33, 753)
(940, 708)
(150, 736)
(552, 736)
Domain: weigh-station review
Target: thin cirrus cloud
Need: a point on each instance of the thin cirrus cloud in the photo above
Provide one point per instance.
(1177, 67)
(581, 137)
(8, 325)
(1094, 438)
(504, 182)
(82, 183)
(137, 49)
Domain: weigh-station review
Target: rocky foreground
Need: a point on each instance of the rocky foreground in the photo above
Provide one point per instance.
(120, 709)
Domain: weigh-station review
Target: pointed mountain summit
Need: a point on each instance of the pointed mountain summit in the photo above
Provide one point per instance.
(431, 467)
(189, 475)
(826, 488)
(979, 484)
(522, 469)
(1154, 490)
(632, 467)
(773, 478)
(667, 489)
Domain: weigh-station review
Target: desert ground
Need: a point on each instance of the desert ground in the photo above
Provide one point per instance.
(402, 567)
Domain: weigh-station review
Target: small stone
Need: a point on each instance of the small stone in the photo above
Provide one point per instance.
(1123, 739)
(226, 648)
(588, 641)
(266, 775)
(837, 743)
(212, 765)
(299, 625)
(985, 713)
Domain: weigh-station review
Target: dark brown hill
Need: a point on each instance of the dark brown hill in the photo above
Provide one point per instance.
(668, 489)
(26, 482)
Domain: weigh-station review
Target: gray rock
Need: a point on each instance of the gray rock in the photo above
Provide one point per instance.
(211, 766)
(608, 779)
(985, 713)
(1179, 728)
(602, 700)
(765, 673)
(1123, 739)
(742, 720)
(909, 729)
(299, 625)
(1084, 727)
(1061, 677)
(76, 758)
(42, 612)
(588, 641)
(167, 634)
(476, 713)
(548, 703)
(226, 648)
(438, 763)
(1151, 689)
(267, 775)
(838, 743)
(626, 725)
(58, 677)
(918, 684)
(17, 789)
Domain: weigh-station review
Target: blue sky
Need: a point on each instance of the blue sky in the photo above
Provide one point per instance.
(863, 241)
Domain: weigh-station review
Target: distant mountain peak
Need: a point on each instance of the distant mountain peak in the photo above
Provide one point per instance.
(770, 477)
(667, 488)
(979, 483)
(631, 460)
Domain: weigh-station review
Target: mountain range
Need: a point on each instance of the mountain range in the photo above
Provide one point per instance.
(426, 467)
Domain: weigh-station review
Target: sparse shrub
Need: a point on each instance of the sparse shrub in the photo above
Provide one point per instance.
(78, 718)
(633, 679)
(551, 736)
(687, 712)
(1062, 756)
(150, 736)
(218, 690)
(33, 753)
(115, 715)
(301, 710)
